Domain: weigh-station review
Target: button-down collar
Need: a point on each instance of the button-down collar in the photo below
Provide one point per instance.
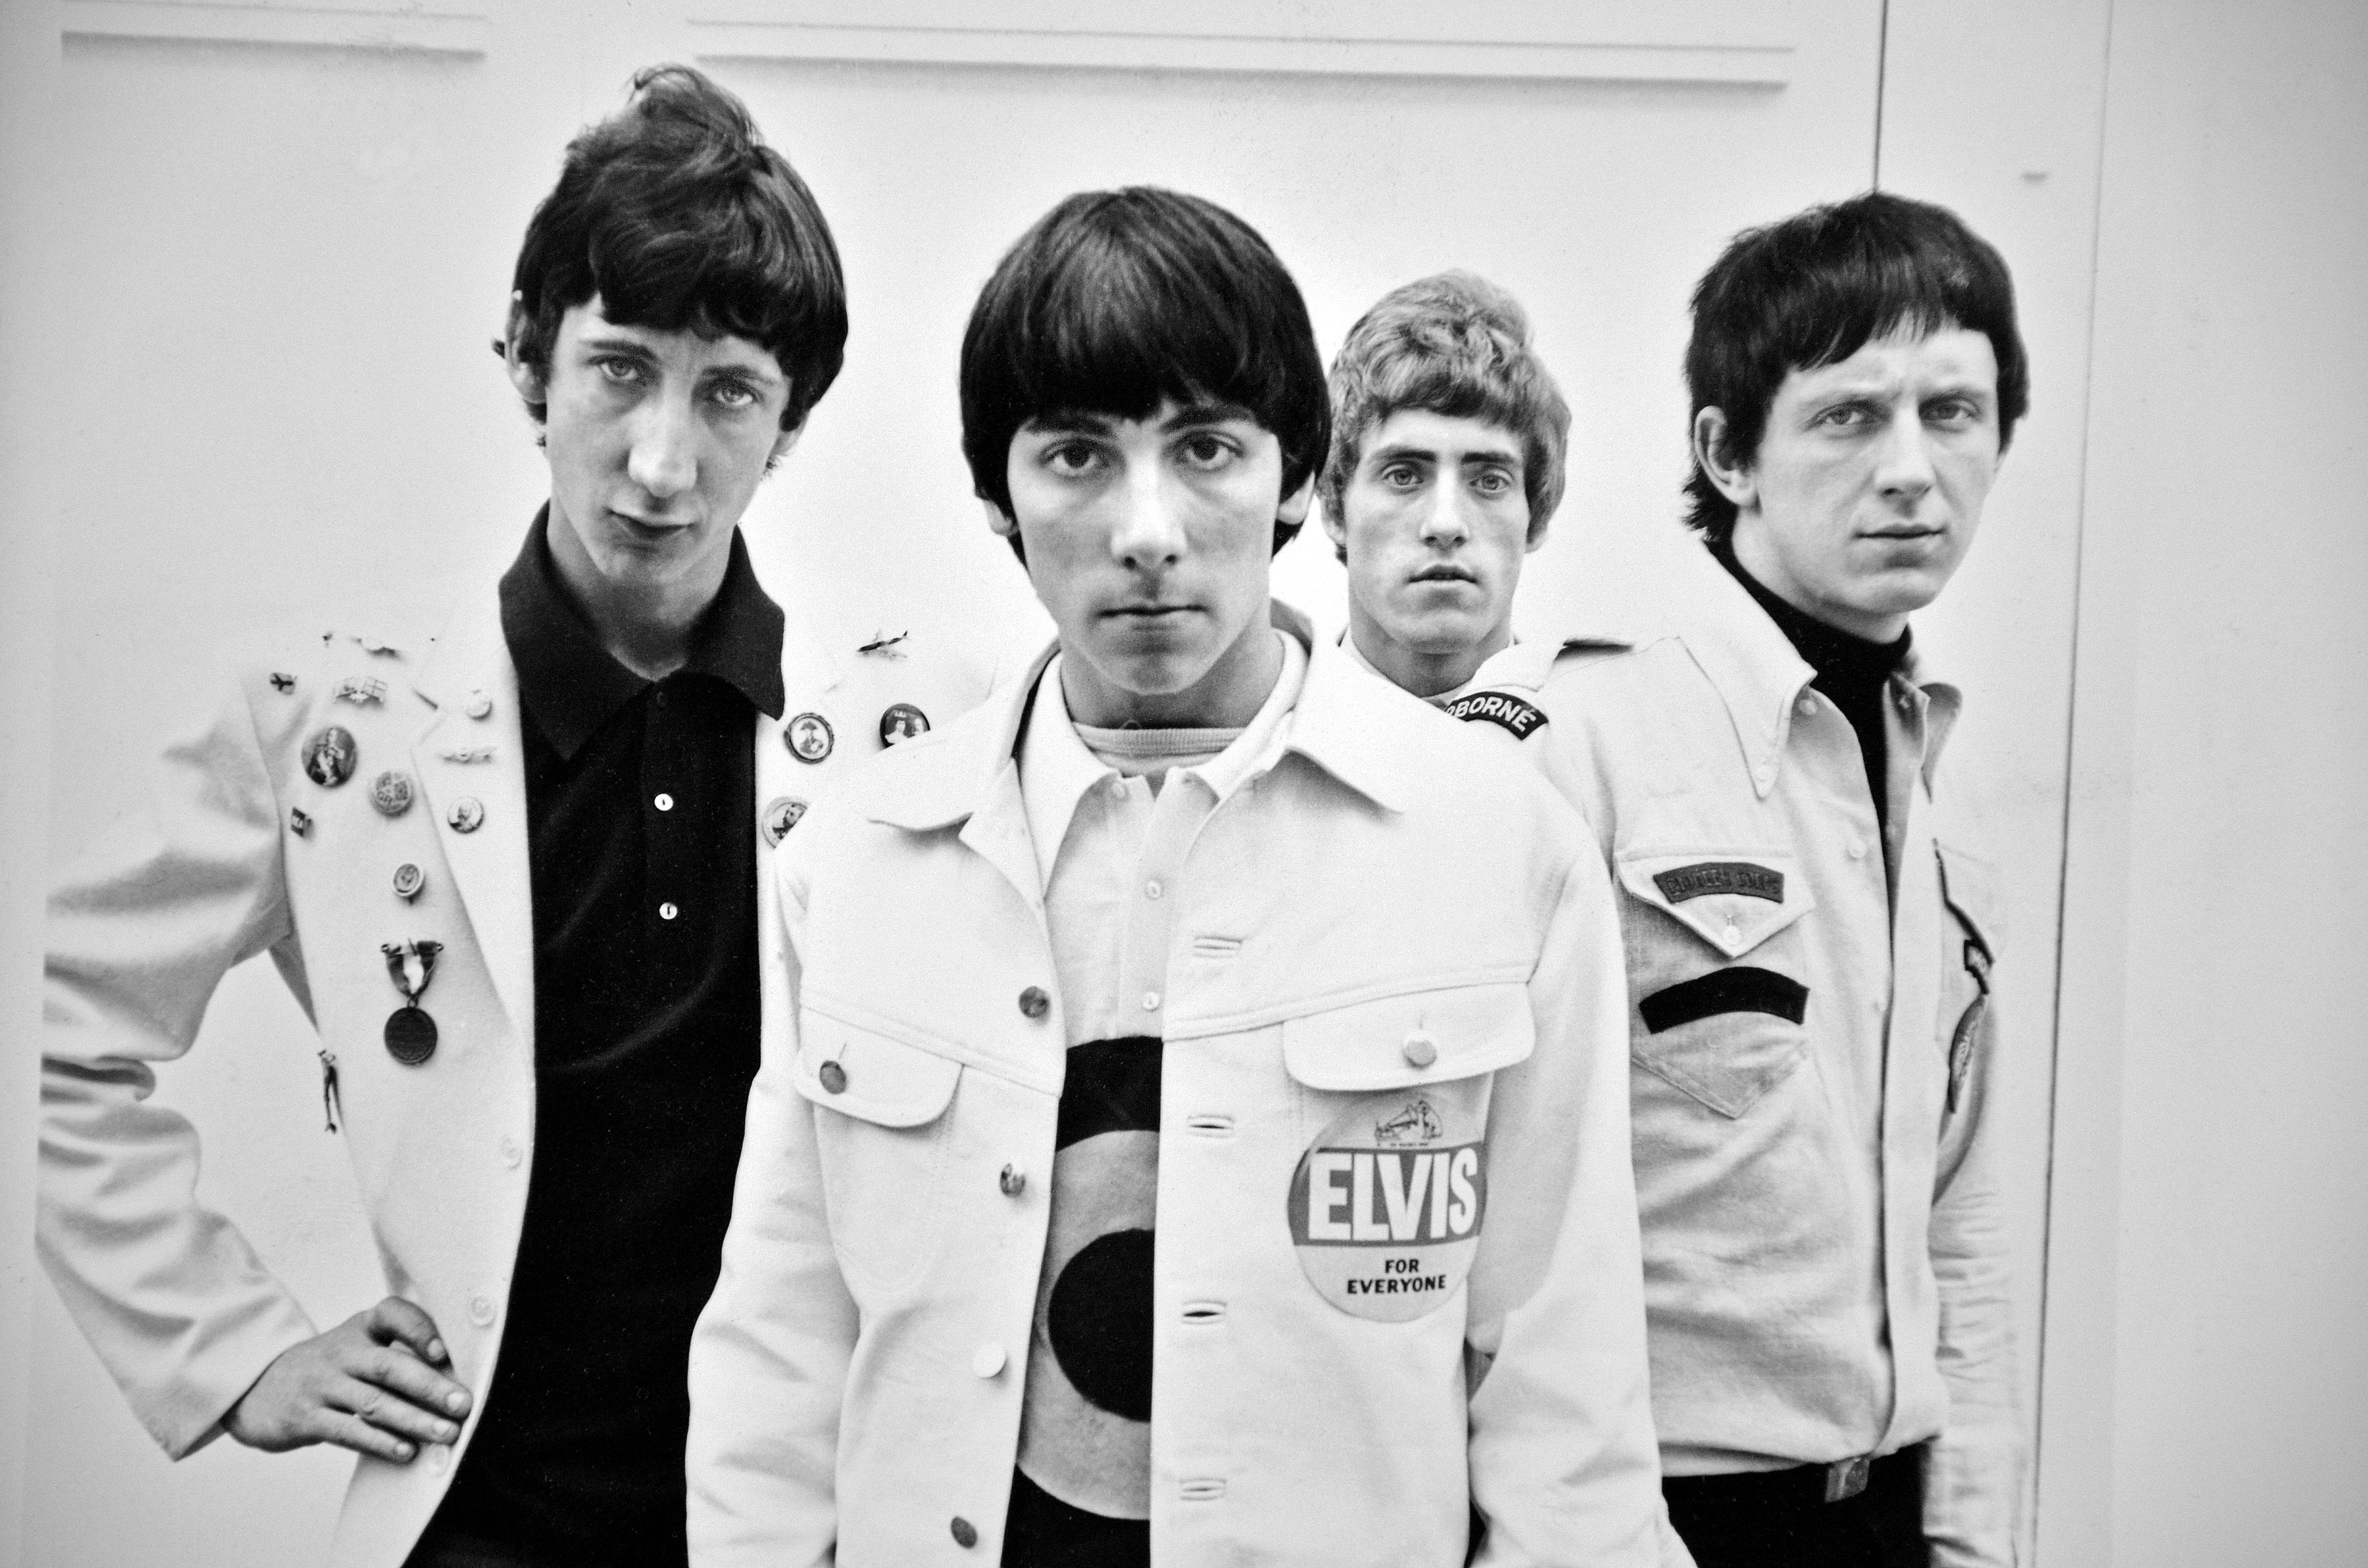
(571, 684)
(1759, 675)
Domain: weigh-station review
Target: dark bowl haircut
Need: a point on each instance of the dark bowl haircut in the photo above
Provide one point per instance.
(1816, 288)
(1119, 300)
(679, 217)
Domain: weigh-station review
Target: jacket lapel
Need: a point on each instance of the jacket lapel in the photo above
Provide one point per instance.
(489, 863)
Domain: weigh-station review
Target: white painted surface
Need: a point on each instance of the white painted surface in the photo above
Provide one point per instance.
(2206, 1367)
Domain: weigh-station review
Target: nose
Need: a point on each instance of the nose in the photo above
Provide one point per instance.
(1904, 461)
(1149, 533)
(1445, 523)
(664, 457)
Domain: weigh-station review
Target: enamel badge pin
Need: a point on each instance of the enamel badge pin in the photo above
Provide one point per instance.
(410, 1032)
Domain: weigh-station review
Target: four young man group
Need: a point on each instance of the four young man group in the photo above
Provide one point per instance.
(1193, 1103)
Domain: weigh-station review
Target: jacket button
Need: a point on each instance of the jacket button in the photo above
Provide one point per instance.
(481, 1312)
(965, 1533)
(511, 1152)
(1421, 1050)
(1013, 1178)
(833, 1076)
(988, 1359)
(440, 1457)
(1034, 1003)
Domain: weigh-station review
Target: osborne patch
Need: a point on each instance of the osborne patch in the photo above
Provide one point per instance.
(1501, 709)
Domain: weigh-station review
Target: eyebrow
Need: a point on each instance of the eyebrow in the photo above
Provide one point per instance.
(1502, 455)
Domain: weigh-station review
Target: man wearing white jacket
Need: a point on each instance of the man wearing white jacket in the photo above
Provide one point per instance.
(1203, 1139)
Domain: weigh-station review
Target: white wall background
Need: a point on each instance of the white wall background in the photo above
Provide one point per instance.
(247, 296)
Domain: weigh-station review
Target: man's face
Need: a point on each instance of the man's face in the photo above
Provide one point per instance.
(1435, 521)
(1150, 541)
(1870, 481)
(656, 441)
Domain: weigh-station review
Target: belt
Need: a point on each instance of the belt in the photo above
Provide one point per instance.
(1805, 1483)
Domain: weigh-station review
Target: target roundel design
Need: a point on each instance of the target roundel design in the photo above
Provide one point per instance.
(1085, 1435)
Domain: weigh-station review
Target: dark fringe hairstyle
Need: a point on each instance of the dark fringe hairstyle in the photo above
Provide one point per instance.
(1118, 301)
(1816, 288)
(674, 212)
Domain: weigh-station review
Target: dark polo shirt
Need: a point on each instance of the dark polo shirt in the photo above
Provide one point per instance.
(642, 819)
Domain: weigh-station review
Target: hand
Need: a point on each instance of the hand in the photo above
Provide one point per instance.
(369, 1384)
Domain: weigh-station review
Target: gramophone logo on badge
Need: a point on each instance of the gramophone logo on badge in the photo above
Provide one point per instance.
(1386, 1205)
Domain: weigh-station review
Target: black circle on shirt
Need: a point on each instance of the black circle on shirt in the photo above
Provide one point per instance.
(1099, 1320)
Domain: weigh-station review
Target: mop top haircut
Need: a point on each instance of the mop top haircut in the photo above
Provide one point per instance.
(1457, 345)
(1816, 288)
(1119, 300)
(678, 216)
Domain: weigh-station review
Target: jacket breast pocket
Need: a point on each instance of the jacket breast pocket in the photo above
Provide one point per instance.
(1715, 963)
(1389, 1199)
(1970, 936)
(885, 1108)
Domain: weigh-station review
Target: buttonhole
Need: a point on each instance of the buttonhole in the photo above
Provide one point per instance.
(1204, 1312)
(1210, 1125)
(1202, 1489)
(1215, 946)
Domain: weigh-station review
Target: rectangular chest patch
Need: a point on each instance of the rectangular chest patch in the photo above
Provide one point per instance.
(1683, 883)
(1501, 709)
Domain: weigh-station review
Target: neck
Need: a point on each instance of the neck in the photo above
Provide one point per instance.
(1423, 672)
(1227, 697)
(645, 626)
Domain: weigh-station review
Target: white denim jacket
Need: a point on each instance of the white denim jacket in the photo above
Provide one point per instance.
(1382, 920)
(1825, 1257)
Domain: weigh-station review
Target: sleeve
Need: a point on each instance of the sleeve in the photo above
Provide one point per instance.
(769, 1360)
(1564, 1464)
(1974, 1478)
(140, 931)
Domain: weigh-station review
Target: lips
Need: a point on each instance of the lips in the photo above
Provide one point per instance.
(1444, 575)
(648, 532)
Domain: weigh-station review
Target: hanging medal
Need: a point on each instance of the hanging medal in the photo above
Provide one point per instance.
(410, 1032)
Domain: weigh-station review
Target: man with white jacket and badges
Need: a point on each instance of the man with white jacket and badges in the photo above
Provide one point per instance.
(1809, 940)
(513, 865)
(1203, 1136)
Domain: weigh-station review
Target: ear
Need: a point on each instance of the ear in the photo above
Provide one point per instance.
(1336, 529)
(783, 442)
(1293, 510)
(999, 521)
(1537, 537)
(1734, 481)
(523, 376)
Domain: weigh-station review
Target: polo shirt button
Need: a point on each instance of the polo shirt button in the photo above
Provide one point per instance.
(1808, 706)
(481, 1312)
(1856, 849)
(988, 1359)
(1732, 936)
(833, 1076)
(668, 911)
(1421, 1050)
(965, 1533)
(1034, 1003)
(1762, 774)
(1152, 889)
(665, 802)
(1118, 788)
(511, 1152)
(1013, 1178)
(1151, 1001)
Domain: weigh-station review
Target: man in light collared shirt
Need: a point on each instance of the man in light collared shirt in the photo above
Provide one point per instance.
(1205, 1135)
(1809, 941)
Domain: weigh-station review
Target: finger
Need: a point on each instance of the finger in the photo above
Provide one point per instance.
(397, 1320)
(394, 1368)
(347, 1429)
(390, 1413)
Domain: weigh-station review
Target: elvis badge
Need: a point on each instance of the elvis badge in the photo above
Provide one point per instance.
(1386, 1204)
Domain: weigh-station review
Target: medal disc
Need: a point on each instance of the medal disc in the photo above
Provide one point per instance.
(410, 1036)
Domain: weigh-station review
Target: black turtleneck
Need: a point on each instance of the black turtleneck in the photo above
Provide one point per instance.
(1851, 670)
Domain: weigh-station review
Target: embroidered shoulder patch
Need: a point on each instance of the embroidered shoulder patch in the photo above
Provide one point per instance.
(1501, 709)
(1720, 876)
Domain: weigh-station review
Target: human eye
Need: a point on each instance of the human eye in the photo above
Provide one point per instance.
(1848, 417)
(618, 369)
(733, 393)
(1070, 458)
(1206, 450)
(1401, 476)
(1492, 481)
(1953, 412)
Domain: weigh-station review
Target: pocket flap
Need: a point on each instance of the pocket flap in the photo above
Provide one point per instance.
(1424, 1037)
(1969, 886)
(870, 1075)
(1734, 900)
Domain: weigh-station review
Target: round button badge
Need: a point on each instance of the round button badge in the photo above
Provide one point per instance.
(408, 881)
(467, 815)
(329, 757)
(902, 722)
(809, 737)
(781, 814)
(1386, 1205)
(391, 793)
